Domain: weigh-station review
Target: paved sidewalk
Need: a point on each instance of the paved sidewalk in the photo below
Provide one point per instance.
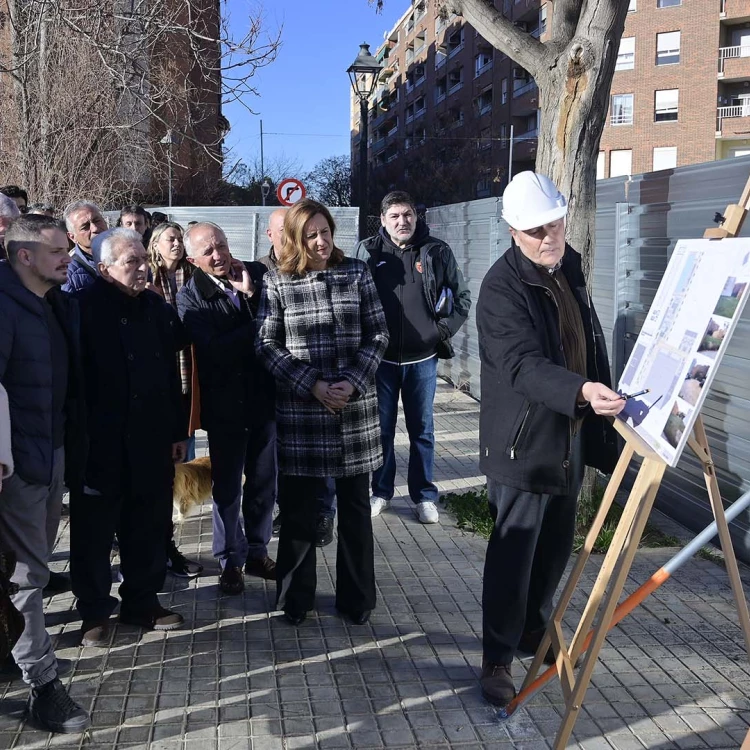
(672, 675)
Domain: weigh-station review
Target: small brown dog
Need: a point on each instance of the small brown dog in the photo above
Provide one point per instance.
(192, 486)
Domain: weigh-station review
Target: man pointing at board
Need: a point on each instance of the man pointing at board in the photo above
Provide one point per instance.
(545, 391)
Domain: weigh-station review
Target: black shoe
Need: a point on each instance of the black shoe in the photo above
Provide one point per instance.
(10, 671)
(231, 580)
(262, 567)
(276, 528)
(295, 618)
(324, 531)
(51, 708)
(357, 618)
(497, 683)
(58, 583)
(178, 565)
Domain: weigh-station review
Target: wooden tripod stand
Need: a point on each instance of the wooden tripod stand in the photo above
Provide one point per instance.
(605, 594)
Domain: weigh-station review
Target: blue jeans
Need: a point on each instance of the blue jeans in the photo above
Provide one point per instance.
(416, 383)
(328, 499)
(190, 449)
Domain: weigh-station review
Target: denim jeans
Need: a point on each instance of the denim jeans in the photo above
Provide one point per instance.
(416, 383)
(328, 499)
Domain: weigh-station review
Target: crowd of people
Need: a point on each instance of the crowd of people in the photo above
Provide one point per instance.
(118, 343)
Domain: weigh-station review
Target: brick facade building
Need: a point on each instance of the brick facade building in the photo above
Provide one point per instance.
(680, 94)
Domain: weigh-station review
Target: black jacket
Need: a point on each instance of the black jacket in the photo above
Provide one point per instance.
(236, 391)
(528, 395)
(438, 268)
(133, 392)
(26, 374)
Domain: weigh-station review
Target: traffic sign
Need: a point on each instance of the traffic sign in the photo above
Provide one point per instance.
(290, 191)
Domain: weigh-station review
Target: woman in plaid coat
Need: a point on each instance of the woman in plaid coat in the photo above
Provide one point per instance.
(322, 334)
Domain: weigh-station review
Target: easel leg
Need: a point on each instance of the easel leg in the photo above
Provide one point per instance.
(712, 485)
(641, 499)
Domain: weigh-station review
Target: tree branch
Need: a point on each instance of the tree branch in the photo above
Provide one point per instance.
(502, 34)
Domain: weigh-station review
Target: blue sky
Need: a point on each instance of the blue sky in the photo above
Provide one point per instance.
(306, 90)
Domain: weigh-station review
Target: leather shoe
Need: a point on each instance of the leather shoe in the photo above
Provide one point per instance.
(95, 632)
(324, 531)
(295, 618)
(357, 618)
(261, 567)
(497, 683)
(231, 580)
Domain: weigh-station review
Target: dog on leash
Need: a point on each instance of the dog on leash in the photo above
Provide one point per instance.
(192, 486)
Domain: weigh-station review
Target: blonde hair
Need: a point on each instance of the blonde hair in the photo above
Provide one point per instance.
(154, 258)
(293, 258)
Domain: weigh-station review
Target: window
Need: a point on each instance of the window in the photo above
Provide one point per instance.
(668, 48)
(441, 89)
(485, 139)
(626, 54)
(665, 105)
(600, 166)
(483, 103)
(482, 62)
(622, 109)
(440, 57)
(455, 79)
(665, 157)
(504, 91)
(667, 3)
(503, 133)
(542, 19)
(620, 162)
(419, 106)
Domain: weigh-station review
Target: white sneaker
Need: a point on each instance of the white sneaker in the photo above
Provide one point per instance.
(377, 505)
(427, 512)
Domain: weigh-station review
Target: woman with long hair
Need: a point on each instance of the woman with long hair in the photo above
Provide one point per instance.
(170, 271)
(322, 334)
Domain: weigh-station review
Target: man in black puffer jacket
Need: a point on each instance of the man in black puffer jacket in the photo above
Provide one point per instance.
(545, 391)
(426, 301)
(39, 369)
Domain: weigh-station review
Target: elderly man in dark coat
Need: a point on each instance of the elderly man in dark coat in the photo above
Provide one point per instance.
(218, 307)
(137, 427)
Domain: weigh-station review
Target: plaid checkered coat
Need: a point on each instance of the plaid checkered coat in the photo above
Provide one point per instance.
(330, 326)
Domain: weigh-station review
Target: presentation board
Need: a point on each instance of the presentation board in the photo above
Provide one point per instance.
(688, 328)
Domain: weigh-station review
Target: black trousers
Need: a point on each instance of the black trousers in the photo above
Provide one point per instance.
(243, 513)
(141, 521)
(526, 558)
(295, 565)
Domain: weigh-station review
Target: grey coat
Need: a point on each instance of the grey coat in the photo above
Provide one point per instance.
(330, 326)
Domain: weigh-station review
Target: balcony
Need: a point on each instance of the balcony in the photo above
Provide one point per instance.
(525, 146)
(733, 122)
(734, 63)
(483, 69)
(526, 99)
(734, 10)
(377, 145)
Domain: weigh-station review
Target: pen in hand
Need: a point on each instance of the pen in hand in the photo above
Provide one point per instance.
(626, 396)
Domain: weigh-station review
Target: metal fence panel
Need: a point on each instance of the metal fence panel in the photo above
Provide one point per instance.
(245, 226)
(477, 237)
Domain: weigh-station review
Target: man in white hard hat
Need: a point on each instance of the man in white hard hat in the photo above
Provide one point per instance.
(545, 393)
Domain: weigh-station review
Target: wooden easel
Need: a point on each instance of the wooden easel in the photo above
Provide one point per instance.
(610, 582)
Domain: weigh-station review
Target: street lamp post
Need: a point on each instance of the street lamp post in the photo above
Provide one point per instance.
(363, 73)
(265, 189)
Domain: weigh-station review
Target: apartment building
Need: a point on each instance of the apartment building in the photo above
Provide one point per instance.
(680, 94)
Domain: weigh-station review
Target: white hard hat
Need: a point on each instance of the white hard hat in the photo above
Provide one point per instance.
(532, 200)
